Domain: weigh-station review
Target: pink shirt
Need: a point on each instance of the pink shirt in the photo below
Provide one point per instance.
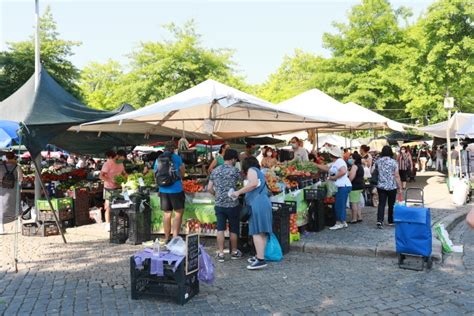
(112, 170)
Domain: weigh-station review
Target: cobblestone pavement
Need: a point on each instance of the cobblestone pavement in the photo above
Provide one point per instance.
(462, 235)
(89, 276)
(366, 234)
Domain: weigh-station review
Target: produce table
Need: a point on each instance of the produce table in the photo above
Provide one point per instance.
(199, 215)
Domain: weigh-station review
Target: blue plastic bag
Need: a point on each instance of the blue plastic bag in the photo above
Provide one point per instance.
(206, 267)
(273, 249)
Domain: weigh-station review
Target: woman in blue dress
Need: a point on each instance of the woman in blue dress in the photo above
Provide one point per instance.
(260, 222)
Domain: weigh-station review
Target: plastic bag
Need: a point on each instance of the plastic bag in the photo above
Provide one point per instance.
(400, 200)
(362, 201)
(429, 164)
(177, 246)
(273, 249)
(443, 237)
(206, 267)
(331, 188)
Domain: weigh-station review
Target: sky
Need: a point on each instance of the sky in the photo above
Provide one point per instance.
(261, 32)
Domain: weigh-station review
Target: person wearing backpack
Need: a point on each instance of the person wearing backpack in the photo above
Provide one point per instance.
(169, 170)
(10, 174)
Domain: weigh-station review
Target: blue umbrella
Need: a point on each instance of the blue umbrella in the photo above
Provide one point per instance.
(8, 133)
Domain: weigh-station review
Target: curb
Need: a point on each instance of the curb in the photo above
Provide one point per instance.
(452, 220)
(384, 250)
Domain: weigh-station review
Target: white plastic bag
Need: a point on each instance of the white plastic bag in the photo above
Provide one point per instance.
(460, 191)
(362, 201)
(177, 246)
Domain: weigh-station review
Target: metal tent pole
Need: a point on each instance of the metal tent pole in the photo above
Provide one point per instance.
(37, 160)
(46, 193)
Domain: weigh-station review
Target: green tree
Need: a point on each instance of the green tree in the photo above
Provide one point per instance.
(159, 70)
(17, 62)
(442, 60)
(367, 55)
(101, 84)
(296, 74)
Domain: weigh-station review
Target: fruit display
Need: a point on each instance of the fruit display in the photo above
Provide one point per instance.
(329, 200)
(299, 168)
(290, 184)
(272, 182)
(48, 175)
(195, 226)
(192, 186)
(293, 225)
(294, 232)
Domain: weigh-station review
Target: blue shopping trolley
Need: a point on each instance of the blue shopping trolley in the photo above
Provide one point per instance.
(413, 235)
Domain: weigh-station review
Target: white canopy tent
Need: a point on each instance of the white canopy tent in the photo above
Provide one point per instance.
(459, 122)
(316, 104)
(467, 131)
(210, 108)
(337, 140)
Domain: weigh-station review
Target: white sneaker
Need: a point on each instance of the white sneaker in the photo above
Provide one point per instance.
(336, 227)
(107, 227)
(344, 225)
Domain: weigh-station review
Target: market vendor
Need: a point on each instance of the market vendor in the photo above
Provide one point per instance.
(300, 153)
(250, 151)
(112, 168)
(268, 160)
(219, 160)
(338, 173)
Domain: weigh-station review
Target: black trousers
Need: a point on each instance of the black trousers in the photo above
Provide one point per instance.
(385, 195)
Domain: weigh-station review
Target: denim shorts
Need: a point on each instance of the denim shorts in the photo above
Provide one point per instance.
(228, 214)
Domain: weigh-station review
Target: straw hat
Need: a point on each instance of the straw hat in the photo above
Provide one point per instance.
(335, 151)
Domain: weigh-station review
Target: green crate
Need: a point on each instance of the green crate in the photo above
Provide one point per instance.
(58, 204)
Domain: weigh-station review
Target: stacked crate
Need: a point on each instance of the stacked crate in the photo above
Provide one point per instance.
(45, 218)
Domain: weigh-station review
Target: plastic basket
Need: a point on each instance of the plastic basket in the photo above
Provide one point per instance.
(281, 225)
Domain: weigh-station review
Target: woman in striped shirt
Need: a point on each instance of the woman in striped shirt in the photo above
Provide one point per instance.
(404, 165)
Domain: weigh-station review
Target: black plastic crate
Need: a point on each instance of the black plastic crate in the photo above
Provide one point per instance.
(176, 284)
(281, 225)
(329, 215)
(314, 194)
(119, 225)
(302, 181)
(139, 219)
(316, 216)
(245, 243)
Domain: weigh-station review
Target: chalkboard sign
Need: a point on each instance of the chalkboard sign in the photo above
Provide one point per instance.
(192, 253)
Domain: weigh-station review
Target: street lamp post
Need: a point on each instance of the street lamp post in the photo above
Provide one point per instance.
(449, 104)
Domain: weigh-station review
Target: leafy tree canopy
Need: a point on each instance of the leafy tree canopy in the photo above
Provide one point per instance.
(17, 63)
(159, 70)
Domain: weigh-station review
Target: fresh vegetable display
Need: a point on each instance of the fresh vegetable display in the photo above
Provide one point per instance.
(272, 182)
(192, 186)
(298, 168)
(120, 179)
